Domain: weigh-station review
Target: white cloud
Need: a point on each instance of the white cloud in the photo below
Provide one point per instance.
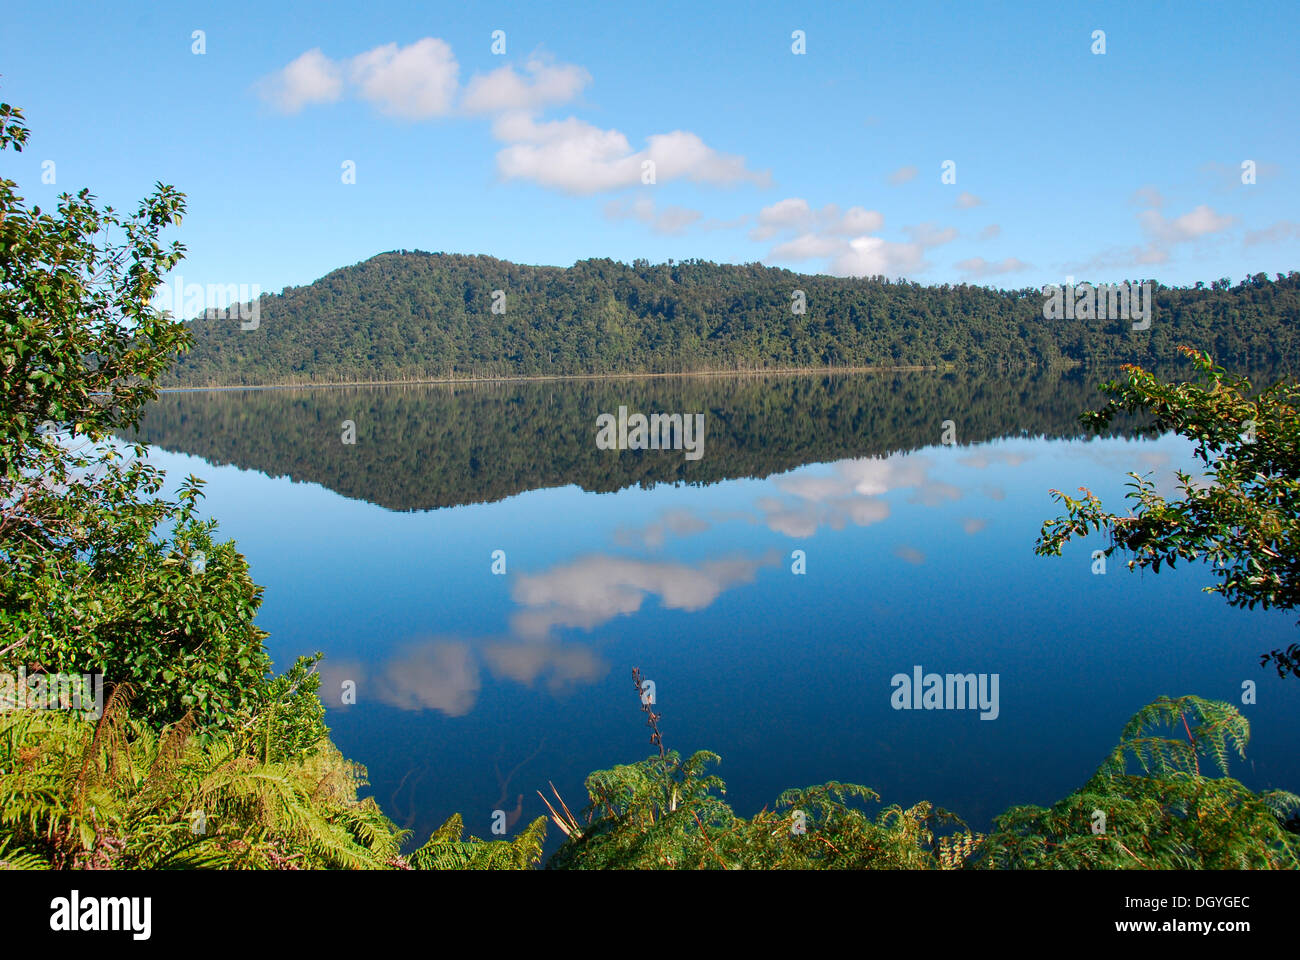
(503, 89)
(991, 232)
(568, 154)
(1198, 222)
(967, 200)
(795, 215)
(1163, 234)
(311, 78)
(421, 81)
(843, 238)
(806, 246)
(683, 154)
(414, 82)
(858, 220)
(577, 157)
(873, 256)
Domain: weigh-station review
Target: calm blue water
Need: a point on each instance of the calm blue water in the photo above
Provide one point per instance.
(475, 688)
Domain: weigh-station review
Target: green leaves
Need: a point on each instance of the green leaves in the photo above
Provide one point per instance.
(1242, 517)
(1170, 815)
(116, 794)
(666, 814)
(95, 566)
(445, 850)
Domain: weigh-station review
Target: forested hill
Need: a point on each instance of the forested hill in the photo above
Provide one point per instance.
(412, 315)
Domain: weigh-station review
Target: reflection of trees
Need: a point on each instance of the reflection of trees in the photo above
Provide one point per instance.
(422, 447)
(402, 805)
(406, 808)
(513, 817)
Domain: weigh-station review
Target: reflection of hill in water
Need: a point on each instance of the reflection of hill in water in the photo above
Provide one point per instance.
(437, 445)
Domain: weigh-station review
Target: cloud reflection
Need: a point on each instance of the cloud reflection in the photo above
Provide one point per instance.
(446, 674)
(595, 589)
(435, 674)
(561, 667)
(851, 493)
(679, 522)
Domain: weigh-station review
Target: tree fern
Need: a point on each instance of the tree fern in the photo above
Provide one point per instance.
(115, 793)
(1171, 816)
(446, 851)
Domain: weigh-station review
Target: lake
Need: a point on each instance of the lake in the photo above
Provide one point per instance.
(484, 578)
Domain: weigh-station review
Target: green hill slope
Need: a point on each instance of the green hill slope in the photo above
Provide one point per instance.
(412, 315)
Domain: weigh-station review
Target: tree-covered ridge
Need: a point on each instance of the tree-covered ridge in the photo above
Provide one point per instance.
(415, 315)
(425, 446)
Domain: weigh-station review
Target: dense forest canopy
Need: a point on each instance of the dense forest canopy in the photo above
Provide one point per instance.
(415, 315)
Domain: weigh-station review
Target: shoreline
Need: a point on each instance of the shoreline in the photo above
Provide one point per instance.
(544, 378)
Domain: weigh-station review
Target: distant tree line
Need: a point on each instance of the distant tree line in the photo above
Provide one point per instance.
(415, 315)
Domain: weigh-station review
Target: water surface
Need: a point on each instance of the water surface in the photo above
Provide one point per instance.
(474, 688)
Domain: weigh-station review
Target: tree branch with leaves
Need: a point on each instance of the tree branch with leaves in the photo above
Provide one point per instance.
(1241, 516)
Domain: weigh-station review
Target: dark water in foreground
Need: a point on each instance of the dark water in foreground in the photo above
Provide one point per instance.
(474, 688)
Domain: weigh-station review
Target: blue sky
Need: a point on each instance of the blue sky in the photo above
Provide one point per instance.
(1122, 165)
